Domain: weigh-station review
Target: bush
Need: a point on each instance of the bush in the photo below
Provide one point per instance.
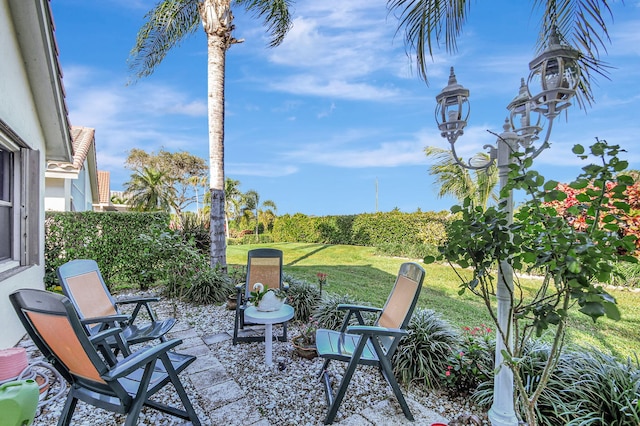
(592, 387)
(627, 274)
(327, 314)
(471, 363)
(424, 353)
(303, 296)
(195, 227)
(209, 286)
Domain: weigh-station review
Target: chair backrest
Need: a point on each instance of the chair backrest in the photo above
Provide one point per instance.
(401, 302)
(82, 283)
(264, 266)
(54, 326)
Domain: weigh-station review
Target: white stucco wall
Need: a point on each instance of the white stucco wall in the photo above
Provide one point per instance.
(55, 195)
(17, 109)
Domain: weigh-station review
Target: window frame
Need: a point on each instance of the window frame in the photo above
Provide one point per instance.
(24, 202)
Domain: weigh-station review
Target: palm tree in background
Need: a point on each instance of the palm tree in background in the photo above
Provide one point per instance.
(232, 201)
(167, 24)
(479, 186)
(150, 190)
(579, 23)
(255, 210)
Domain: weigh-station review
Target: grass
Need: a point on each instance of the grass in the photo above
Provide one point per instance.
(359, 272)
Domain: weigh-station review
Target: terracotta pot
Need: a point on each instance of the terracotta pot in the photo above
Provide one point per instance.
(304, 350)
(232, 302)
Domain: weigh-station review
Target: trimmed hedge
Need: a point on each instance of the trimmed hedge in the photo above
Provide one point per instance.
(106, 237)
(395, 232)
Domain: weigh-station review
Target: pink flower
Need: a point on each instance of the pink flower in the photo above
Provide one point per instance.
(448, 373)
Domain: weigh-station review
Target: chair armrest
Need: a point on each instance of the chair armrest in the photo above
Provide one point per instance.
(239, 288)
(138, 359)
(107, 319)
(343, 306)
(103, 335)
(137, 300)
(376, 331)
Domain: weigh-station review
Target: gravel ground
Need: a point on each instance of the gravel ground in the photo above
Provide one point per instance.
(288, 393)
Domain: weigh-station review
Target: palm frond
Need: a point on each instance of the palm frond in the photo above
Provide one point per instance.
(167, 24)
(581, 24)
(276, 16)
(427, 23)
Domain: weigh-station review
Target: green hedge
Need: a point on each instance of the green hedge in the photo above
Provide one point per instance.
(110, 238)
(400, 233)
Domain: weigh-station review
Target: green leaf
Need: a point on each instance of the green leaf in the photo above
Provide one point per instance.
(593, 309)
(578, 149)
(429, 259)
(551, 184)
(612, 312)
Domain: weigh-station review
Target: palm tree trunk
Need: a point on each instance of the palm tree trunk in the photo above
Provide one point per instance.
(217, 47)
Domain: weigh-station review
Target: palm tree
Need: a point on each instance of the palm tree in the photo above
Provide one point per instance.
(232, 201)
(150, 190)
(255, 210)
(455, 180)
(167, 24)
(579, 23)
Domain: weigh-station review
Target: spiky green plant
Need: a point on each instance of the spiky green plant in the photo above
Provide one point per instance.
(422, 355)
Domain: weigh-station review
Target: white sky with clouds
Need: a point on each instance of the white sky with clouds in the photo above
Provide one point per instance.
(314, 123)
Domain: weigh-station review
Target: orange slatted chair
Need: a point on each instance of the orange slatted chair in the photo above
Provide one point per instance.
(371, 345)
(122, 385)
(82, 283)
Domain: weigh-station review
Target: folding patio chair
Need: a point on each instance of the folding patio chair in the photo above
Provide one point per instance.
(371, 345)
(82, 283)
(55, 328)
(264, 266)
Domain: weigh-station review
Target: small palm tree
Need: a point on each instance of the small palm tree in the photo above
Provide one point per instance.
(479, 186)
(255, 210)
(170, 22)
(150, 190)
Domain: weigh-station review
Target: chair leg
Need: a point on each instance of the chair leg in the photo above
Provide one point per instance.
(141, 395)
(67, 411)
(344, 384)
(177, 384)
(387, 372)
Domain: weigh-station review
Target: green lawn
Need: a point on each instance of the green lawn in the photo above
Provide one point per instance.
(368, 277)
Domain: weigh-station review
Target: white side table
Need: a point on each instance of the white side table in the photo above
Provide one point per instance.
(252, 315)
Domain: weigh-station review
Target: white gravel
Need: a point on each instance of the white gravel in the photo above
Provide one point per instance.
(288, 393)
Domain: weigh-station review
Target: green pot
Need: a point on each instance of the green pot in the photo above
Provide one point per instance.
(18, 402)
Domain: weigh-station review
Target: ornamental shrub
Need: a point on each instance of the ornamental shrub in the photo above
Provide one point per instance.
(327, 314)
(423, 355)
(471, 363)
(303, 296)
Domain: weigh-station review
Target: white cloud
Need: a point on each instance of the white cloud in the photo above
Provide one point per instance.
(259, 169)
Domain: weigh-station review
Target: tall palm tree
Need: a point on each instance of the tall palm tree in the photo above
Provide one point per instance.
(479, 185)
(579, 23)
(167, 24)
(150, 190)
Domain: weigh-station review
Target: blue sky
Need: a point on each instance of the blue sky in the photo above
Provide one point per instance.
(335, 120)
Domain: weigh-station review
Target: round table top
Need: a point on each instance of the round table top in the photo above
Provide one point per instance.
(251, 314)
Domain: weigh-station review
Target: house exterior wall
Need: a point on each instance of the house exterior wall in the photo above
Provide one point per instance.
(55, 195)
(21, 111)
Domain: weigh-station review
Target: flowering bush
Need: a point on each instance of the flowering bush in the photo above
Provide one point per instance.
(472, 362)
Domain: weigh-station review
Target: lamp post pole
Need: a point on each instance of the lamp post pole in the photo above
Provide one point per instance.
(557, 72)
(502, 411)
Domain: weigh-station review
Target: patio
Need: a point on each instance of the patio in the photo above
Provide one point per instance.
(231, 385)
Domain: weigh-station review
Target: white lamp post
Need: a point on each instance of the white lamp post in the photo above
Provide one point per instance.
(557, 71)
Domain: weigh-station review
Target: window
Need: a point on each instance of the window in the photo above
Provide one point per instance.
(19, 201)
(6, 206)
